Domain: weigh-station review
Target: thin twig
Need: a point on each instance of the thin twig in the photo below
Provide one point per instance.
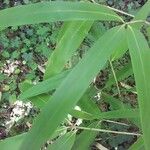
(62, 129)
(139, 21)
(114, 74)
(100, 146)
(108, 131)
(115, 122)
(122, 12)
(116, 10)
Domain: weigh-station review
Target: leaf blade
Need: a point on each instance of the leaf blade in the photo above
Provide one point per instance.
(64, 142)
(85, 138)
(140, 56)
(54, 11)
(67, 45)
(68, 99)
(44, 86)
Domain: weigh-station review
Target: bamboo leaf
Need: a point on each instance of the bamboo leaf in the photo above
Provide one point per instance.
(55, 11)
(97, 30)
(114, 114)
(116, 104)
(15, 141)
(118, 53)
(138, 145)
(121, 113)
(67, 45)
(85, 138)
(44, 86)
(82, 115)
(40, 100)
(140, 56)
(143, 12)
(141, 15)
(65, 142)
(121, 74)
(86, 102)
(12, 142)
(78, 80)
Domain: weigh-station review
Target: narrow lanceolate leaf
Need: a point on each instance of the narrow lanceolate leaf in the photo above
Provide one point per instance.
(142, 14)
(118, 53)
(43, 87)
(86, 138)
(97, 30)
(12, 142)
(121, 113)
(40, 100)
(120, 75)
(15, 141)
(113, 102)
(116, 104)
(65, 142)
(82, 115)
(72, 88)
(140, 57)
(86, 102)
(69, 42)
(55, 11)
(138, 145)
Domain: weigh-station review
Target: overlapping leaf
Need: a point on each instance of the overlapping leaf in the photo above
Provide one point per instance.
(12, 143)
(140, 57)
(64, 142)
(43, 87)
(141, 15)
(121, 74)
(71, 39)
(85, 138)
(138, 145)
(78, 80)
(55, 11)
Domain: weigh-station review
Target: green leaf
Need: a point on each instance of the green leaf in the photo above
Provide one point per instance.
(55, 11)
(118, 53)
(78, 80)
(15, 141)
(138, 145)
(114, 114)
(67, 45)
(86, 102)
(12, 142)
(97, 30)
(82, 114)
(86, 138)
(140, 57)
(40, 100)
(43, 87)
(144, 11)
(64, 28)
(125, 71)
(116, 104)
(142, 15)
(65, 142)
(121, 113)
